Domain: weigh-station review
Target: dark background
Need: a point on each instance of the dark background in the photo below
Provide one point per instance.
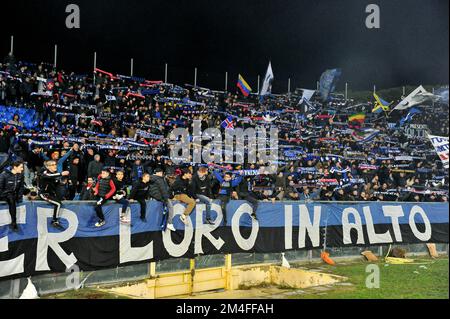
(301, 38)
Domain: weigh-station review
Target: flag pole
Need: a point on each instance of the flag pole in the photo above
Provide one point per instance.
(346, 92)
(12, 45)
(195, 77)
(95, 64)
(226, 81)
(131, 67)
(165, 73)
(289, 85)
(259, 78)
(55, 56)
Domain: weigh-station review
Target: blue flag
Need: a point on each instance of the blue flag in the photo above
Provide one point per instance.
(228, 123)
(410, 116)
(328, 82)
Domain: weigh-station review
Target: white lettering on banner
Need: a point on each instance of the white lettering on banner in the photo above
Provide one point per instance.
(394, 212)
(205, 230)
(15, 265)
(288, 227)
(347, 226)
(440, 144)
(306, 226)
(178, 250)
(245, 244)
(426, 235)
(128, 253)
(374, 238)
(52, 240)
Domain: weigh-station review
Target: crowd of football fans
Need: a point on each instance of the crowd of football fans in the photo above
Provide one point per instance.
(105, 137)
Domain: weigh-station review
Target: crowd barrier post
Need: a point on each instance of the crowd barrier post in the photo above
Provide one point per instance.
(228, 272)
(152, 270)
(192, 269)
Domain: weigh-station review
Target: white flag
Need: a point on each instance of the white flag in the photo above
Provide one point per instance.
(267, 85)
(418, 96)
(440, 144)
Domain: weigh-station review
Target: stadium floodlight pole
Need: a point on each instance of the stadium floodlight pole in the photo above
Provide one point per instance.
(226, 81)
(131, 66)
(165, 73)
(195, 77)
(55, 56)
(12, 45)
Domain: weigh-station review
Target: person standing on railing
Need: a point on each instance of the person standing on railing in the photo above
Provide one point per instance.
(11, 189)
(48, 181)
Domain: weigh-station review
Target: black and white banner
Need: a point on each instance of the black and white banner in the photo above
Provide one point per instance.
(39, 248)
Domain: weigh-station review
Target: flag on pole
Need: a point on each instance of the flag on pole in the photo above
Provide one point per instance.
(409, 116)
(228, 123)
(358, 117)
(381, 105)
(243, 86)
(418, 96)
(328, 82)
(440, 144)
(268, 79)
(307, 95)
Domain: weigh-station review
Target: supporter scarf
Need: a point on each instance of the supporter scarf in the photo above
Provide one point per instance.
(368, 167)
(149, 135)
(57, 106)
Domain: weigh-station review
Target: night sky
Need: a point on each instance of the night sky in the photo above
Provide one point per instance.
(301, 38)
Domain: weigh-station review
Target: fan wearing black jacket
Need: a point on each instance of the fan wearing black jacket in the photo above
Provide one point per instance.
(11, 189)
(160, 191)
(48, 181)
(182, 192)
(140, 193)
(201, 190)
(121, 194)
